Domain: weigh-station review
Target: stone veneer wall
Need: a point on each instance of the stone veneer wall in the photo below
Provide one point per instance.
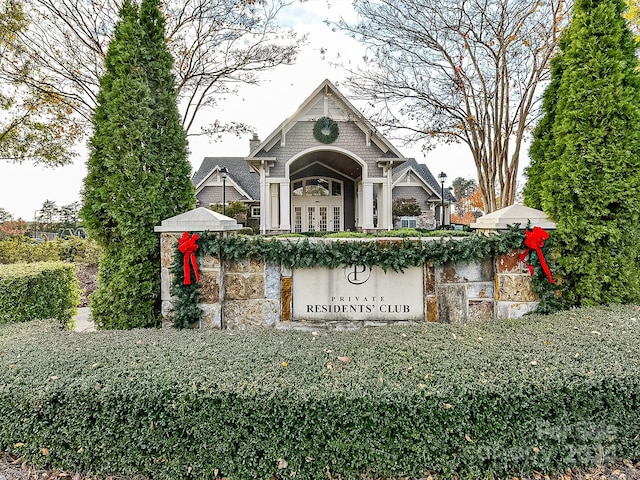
(256, 294)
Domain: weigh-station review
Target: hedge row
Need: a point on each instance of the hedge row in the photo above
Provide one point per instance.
(43, 290)
(501, 398)
(23, 249)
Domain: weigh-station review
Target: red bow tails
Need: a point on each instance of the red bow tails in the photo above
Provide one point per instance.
(187, 246)
(534, 240)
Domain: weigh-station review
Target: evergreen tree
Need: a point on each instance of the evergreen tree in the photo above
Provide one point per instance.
(586, 156)
(168, 143)
(542, 150)
(131, 185)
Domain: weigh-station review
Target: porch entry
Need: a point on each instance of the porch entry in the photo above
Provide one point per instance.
(317, 205)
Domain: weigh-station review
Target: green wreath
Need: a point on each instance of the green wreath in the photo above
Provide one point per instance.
(325, 123)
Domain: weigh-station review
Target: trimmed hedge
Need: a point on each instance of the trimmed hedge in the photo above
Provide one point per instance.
(502, 398)
(23, 249)
(30, 291)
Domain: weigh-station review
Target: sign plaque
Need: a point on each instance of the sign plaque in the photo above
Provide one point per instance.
(356, 293)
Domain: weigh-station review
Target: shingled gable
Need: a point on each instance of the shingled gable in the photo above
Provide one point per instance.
(239, 177)
(339, 110)
(422, 172)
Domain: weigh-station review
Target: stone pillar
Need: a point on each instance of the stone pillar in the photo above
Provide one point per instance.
(513, 287)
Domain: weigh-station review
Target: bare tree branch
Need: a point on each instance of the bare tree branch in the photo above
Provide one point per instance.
(458, 71)
(218, 45)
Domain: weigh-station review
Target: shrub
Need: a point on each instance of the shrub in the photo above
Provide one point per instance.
(500, 398)
(38, 291)
(74, 249)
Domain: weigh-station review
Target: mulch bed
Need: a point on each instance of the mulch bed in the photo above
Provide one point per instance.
(12, 468)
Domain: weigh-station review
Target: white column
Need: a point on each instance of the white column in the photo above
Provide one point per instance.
(285, 206)
(367, 205)
(359, 197)
(274, 192)
(389, 192)
(265, 211)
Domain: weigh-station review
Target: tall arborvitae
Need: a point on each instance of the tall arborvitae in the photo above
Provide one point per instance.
(131, 186)
(168, 144)
(586, 166)
(542, 150)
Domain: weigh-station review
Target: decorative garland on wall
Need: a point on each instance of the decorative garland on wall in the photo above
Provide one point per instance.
(397, 255)
(322, 124)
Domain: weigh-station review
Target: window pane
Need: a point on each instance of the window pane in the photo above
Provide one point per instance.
(323, 219)
(316, 187)
(336, 188)
(408, 222)
(298, 188)
(297, 219)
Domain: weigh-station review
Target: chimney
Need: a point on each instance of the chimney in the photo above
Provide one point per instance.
(254, 142)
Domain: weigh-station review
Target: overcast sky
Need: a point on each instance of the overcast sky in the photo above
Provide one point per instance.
(23, 188)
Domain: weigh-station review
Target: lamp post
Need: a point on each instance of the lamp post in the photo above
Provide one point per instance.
(223, 174)
(442, 177)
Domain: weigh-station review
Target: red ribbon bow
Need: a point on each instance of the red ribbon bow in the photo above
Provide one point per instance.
(187, 246)
(534, 240)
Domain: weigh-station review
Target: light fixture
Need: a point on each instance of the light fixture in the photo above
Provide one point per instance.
(442, 177)
(223, 173)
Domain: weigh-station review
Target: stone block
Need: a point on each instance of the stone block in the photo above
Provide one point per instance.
(452, 304)
(165, 284)
(210, 285)
(211, 317)
(286, 299)
(165, 309)
(344, 325)
(429, 279)
(247, 265)
(250, 314)
(514, 309)
(510, 263)
(272, 286)
(432, 308)
(209, 261)
(515, 288)
(475, 271)
(480, 290)
(243, 286)
(480, 309)
(379, 323)
(301, 326)
(168, 242)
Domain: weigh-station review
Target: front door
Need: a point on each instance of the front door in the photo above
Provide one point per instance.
(317, 205)
(317, 218)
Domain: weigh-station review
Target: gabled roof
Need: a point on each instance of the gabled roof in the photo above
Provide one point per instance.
(427, 177)
(239, 172)
(326, 87)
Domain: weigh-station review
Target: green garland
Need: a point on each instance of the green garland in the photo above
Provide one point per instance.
(320, 125)
(550, 294)
(396, 254)
(187, 298)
